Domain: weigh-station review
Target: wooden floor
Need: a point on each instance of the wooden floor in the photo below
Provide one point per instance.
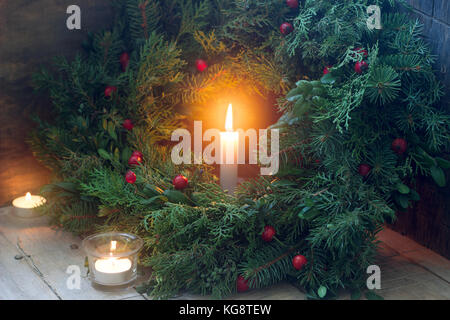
(34, 260)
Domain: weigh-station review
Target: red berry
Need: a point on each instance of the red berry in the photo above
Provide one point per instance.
(326, 70)
(130, 177)
(134, 161)
(361, 66)
(299, 261)
(241, 284)
(109, 91)
(399, 146)
(286, 28)
(201, 65)
(180, 182)
(128, 124)
(292, 4)
(268, 233)
(124, 60)
(364, 169)
(138, 154)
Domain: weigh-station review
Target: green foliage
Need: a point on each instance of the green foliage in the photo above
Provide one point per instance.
(201, 239)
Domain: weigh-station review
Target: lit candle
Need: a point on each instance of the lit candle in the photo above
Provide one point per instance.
(113, 258)
(23, 206)
(228, 154)
(113, 271)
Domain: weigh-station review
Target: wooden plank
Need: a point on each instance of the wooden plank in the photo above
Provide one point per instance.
(431, 261)
(52, 254)
(417, 254)
(138, 297)
(407, 271)
(396, 241)
(17, 279)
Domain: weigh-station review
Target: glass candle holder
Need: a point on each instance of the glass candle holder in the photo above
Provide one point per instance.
(113, 257)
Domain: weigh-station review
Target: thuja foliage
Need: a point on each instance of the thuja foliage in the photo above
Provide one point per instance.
(321, 204)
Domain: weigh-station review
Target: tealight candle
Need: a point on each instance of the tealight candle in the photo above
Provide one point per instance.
(112, 271)
(228, 154)
(112, 258)
(24, 206)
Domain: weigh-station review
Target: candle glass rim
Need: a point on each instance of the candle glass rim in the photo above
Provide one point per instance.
(139, 243)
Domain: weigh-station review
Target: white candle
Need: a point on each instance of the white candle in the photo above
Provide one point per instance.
(228, 154)
(23, 205)
(113, 271)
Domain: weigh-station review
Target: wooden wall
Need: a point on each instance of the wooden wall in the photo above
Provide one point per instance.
(32, 32)
(429, 221)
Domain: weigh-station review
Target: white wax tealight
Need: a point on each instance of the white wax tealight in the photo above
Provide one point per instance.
(112, 271)
(23, 206)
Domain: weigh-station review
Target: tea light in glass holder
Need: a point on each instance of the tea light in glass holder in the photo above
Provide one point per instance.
(24, 207)
(113, 258)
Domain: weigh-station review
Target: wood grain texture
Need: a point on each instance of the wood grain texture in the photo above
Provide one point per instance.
(52, 252)
(428, 222)
(32, 33)
(17, 280)
(408, 270)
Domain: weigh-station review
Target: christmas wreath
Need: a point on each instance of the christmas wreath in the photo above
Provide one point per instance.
(360, 120)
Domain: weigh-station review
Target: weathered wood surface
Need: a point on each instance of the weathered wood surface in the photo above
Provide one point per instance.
(50, 250)
(408, 270)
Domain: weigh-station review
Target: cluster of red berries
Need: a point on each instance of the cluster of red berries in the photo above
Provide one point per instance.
(298, 262)
(360, 66)
(286, 28)
(399, 146)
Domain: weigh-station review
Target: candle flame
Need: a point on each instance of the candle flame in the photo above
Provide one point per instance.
(28, 196)
(229, 119)
(113, 245)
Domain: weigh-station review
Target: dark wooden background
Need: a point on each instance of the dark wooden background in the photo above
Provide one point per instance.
(429, 221)
(32, 32)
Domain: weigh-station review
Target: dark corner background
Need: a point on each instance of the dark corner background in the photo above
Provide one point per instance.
(429, 221)
(32, 32)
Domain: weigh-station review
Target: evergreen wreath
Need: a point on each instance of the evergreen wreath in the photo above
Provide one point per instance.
(352, 142)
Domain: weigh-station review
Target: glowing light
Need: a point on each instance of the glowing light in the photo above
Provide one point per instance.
(229, 119)
(28, 196)
(113, 247)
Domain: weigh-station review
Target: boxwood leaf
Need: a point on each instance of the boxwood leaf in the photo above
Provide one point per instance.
(294, 92)
(438, 176)
(414, 195)
(104, 154)
(328, 79)
(403, 189)
(443, 163)
(402, 200)
(322, 291)
(301, 107)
